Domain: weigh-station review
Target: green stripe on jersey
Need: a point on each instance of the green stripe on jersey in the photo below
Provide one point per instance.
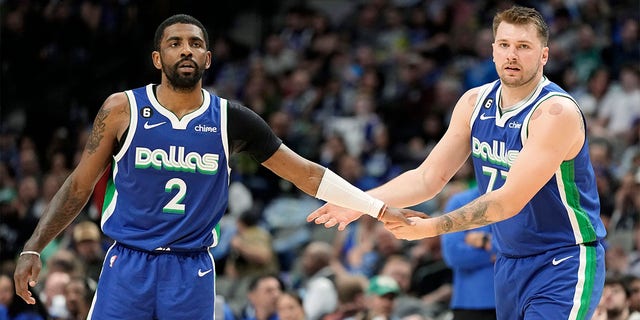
(110, 190)
(589, 276)
(587, 231)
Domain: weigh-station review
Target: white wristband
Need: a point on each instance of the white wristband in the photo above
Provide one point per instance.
(30, 252)
(336, 190)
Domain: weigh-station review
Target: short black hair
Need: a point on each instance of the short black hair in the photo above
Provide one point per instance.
(253, 283)
(293, 295)
(618, 280)
(178, 18)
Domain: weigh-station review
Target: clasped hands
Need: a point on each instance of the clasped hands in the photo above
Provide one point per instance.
(403, 223)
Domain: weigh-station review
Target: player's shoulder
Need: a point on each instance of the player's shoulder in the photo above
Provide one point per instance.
(560, 115)
(472, 95)
(475, 90)
(116, 101)
(470, 98)
(115, 111)
(561, 107)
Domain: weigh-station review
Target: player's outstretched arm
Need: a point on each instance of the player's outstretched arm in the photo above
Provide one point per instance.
(331, 215)
(110, 122)
(556, 134)
(323, 184)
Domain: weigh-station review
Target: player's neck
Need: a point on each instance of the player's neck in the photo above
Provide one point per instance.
(510, 96)
(180, 102)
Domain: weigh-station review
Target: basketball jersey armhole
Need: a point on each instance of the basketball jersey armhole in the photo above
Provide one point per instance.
(133, 122)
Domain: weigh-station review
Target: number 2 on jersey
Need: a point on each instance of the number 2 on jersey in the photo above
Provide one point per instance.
(175, 206)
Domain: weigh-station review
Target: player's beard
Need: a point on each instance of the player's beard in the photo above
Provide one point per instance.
(181, 81)
(526, 78)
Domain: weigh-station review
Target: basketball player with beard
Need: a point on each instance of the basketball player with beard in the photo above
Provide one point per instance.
(169, 146)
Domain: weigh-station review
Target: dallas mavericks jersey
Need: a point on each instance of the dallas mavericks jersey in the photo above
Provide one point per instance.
(566, 211)
(169, 181)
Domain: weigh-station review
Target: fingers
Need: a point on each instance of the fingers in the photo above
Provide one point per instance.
(314, 215)
(406, 222)
(416, 214)
(394, 226)
(323, 219)
(330, 223)
(26, 296)
(409, 213)
(21, 282)
(27, 272)
(322, 216)
(399, 221)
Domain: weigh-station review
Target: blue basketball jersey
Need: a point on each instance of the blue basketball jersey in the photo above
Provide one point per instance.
(169, 181)
(566, 211)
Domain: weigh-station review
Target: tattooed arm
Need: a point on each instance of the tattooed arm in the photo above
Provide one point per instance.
(110, 123)
(556, 134)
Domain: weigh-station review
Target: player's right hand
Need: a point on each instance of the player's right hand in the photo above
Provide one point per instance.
(331, 215)
(400, 215)
(26, 275)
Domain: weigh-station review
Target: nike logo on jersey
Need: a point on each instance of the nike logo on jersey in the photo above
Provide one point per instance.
(203, 273)
(557, 262)
(151, 126)
(485, 117)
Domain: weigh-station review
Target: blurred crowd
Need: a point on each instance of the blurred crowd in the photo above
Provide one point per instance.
(365, 88)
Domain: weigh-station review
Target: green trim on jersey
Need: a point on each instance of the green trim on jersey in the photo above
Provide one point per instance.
(586, 229)
(589, 274)
(109, 191)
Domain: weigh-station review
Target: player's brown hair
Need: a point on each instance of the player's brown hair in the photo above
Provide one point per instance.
(523, 16)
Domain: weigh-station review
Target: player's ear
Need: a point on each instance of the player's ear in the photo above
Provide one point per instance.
(545, 55)
(155, 58)
(207, 63)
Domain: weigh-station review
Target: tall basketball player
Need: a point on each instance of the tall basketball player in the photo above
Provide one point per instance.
(527, 139)
(169, 146)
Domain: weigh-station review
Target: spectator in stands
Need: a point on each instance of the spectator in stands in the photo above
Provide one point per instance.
(290, 307)
(381, 295)
(53, 294)
(615, 300)
(264, 292)
(251, 255)
(400, 269)
(14, 308)
(317, 289)
(351, 298)
(87, 242)
(470, 256)
(78, 294)
(621, 105)
(633, 284)
(251, 250)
